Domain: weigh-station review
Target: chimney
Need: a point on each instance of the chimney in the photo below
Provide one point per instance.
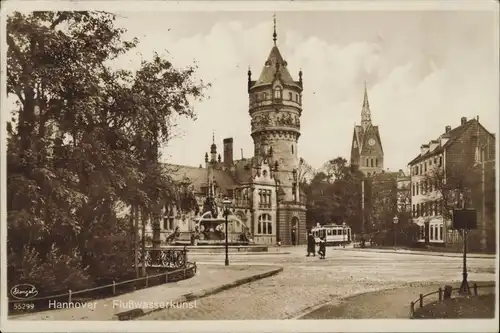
(228, 151)
(447, 128)
(463, 120)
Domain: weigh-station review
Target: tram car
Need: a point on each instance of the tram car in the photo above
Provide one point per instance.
(334, 234)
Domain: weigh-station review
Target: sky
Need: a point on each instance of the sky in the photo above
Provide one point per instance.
(424, 70)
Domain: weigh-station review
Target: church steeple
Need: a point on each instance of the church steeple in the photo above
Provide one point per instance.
(366, 118)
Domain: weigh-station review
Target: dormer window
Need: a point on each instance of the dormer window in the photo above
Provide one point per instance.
(278, 93)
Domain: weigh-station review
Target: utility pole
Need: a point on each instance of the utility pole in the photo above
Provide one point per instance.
(483, 201)
(363, 213)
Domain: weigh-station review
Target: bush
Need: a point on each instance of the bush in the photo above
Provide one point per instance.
(52, 274)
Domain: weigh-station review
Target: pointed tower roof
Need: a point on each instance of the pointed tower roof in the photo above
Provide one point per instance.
(275, 66)
(366, 118)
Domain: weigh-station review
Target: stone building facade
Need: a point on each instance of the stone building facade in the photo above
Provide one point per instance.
(264, 189)
(447, 174)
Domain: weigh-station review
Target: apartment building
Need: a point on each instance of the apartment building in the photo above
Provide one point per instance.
(444, 176)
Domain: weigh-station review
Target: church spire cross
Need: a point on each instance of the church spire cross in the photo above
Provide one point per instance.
(275, 35)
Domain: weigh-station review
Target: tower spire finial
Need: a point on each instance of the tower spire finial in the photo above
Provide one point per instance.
(213, 136)
(275, 35)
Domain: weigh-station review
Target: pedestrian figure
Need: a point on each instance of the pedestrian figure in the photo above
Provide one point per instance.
(322, 248)
(311, 245)
(279, 241)
(293, 236)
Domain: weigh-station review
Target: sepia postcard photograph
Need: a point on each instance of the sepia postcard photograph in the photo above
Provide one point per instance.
(249, 166)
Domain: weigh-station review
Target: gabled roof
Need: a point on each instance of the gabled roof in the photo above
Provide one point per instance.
(452, 135)
(361, 136)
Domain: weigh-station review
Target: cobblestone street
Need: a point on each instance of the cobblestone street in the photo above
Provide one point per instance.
(307, 283)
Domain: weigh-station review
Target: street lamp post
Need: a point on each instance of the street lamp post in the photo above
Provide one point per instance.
(226, 202)
(395, 220)
(343, 234)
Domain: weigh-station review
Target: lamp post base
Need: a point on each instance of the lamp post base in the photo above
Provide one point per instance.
(227, 262)
(464, 287)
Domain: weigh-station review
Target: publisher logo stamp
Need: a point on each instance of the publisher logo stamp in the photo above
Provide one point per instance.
(23, 291)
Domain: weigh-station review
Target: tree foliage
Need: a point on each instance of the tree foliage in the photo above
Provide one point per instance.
(383, 201)
(83, 141)
(334, 195)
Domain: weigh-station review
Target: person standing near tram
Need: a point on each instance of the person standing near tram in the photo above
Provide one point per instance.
(311, 245)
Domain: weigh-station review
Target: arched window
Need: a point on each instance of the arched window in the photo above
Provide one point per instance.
(290, 96)
(265, 224)
(376, 162)
(278, 93)
(367, 161)
(292, 149)
(371, 162)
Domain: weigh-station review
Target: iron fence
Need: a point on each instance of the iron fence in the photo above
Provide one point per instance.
(443, 293)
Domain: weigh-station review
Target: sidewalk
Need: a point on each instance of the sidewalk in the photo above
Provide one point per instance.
(384, 304)
(421, 253)
(270, 251)
(209, 279)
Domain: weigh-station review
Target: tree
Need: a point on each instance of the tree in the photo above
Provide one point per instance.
(320, 200)
(83, 140)
(336, 169)
(334, 195)
(305, 171)
(383, 201)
